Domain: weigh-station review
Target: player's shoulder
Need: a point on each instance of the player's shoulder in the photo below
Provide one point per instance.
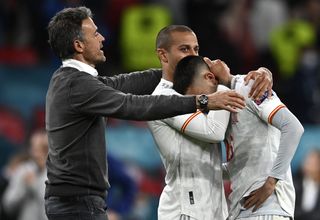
(164, 88)
(222, 88)
(240, 86)
(164, 91)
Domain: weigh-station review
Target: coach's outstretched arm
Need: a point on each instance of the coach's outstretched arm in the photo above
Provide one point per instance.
(226, 100)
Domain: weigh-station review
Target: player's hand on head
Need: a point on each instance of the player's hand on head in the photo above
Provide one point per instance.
(263, 82)
(220, 70)
(227, 100)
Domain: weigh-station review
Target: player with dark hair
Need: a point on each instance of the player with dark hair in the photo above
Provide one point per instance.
(190, 150)
(179, 136)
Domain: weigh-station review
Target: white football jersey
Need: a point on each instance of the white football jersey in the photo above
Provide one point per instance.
(191, 153)
(252, 145)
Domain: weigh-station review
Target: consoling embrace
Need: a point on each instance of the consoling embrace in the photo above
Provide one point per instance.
(260, 140)
(189, 115)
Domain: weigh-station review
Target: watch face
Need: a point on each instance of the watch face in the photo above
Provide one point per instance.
(203, 101)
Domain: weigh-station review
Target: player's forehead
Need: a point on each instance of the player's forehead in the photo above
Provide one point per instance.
(179, 38)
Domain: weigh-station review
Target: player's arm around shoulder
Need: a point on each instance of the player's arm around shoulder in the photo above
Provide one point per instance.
(208, 127)
(138, 83)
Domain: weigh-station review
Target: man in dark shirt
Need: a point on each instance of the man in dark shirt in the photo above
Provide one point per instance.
(77, 102)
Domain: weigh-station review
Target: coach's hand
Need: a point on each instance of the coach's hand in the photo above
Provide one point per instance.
(259, 196)
(227, 100)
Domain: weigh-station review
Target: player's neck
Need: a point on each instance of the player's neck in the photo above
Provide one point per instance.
(167, 75)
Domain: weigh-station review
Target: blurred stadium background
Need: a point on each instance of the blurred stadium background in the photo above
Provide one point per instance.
(282, 35)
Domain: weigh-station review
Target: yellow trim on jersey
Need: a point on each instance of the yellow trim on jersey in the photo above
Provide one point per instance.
(274, 112)
(185, 124)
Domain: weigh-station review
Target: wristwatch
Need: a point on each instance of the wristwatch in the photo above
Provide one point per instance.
(203, 102)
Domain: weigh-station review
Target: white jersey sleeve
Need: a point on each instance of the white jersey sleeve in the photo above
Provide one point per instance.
(209, 127)
(266, 107)
(269, 107)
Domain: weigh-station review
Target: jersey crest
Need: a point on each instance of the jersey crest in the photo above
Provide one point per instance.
(265, 95)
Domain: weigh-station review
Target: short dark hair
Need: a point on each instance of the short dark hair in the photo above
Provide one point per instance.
(164, 36)
(64, 28)
(185, 72)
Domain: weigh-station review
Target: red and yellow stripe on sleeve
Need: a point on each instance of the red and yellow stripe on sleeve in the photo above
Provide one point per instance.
(274, 112)
(185, 124)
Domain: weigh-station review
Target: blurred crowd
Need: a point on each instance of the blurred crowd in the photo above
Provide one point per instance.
(282, 35)
(279, 34)
(306, 183)
(22, 181)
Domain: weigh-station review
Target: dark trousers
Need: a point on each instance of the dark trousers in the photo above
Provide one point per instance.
(76, 208)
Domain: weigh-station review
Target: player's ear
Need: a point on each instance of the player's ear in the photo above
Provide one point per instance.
(78, 46)
(162, 54)
(209, 76)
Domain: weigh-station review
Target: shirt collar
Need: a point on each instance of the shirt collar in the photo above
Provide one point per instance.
(166, 83)
(80, 66)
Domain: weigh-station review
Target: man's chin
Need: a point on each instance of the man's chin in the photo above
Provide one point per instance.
(101, 60)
